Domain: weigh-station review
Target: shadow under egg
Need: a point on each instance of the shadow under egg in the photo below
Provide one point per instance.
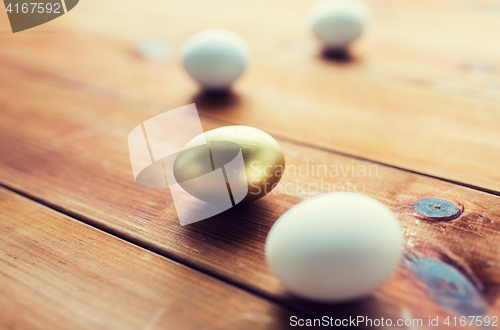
(216, 99)
(246, 224)
(339, 55)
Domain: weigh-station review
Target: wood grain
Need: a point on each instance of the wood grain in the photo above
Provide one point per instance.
(71, 152)
(58, 273)
(438, 54)
(419, 93)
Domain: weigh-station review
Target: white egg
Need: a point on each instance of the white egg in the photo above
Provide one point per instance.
(334, 247)
(337, 23)
(215, 58)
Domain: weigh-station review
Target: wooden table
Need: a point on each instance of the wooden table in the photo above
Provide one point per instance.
(83, 247)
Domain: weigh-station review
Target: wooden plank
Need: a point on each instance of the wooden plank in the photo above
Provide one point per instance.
(391, 105)
(69, 149)
(442, 51)
(57, 273)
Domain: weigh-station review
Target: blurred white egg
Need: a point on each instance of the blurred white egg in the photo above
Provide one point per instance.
(334, 247)
(215, 58)
(337, 23)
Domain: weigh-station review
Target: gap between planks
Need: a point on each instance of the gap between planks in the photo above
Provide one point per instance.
(132, 236)
(150, 247)
(117, 96)
(90, 233)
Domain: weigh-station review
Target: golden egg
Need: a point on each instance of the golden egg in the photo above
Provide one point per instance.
(259, 171)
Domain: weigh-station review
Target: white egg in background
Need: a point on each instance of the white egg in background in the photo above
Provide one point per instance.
(337, 23)
(215, 58)
(334, 247)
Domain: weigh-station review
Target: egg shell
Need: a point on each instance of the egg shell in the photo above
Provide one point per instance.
(334, 247)
(337, 23)
(264, 161)
(215, 58)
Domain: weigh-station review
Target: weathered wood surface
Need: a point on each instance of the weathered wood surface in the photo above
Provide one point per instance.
(71, 153)
(58, 273)
(422, 92)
